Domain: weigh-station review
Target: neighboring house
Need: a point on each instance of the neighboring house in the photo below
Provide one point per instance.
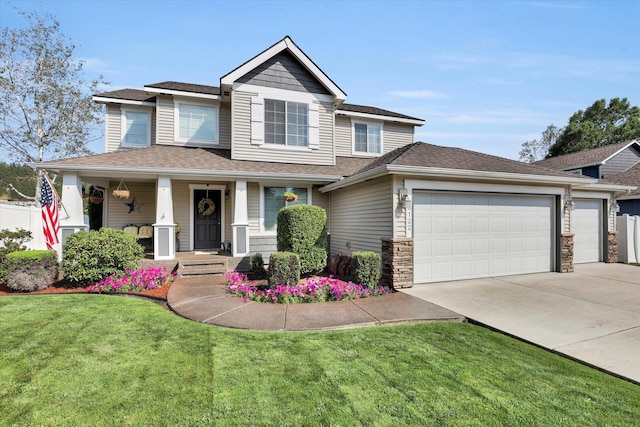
(601, 162)
(615, 164)
(277, 123)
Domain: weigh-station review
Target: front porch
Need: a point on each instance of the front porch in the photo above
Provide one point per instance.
(185, 216)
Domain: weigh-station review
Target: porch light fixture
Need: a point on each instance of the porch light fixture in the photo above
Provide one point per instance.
(403, 195)
(614, 207)
(569, 205)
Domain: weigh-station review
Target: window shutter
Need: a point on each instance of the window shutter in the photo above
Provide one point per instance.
(257, 120)
(314, 126)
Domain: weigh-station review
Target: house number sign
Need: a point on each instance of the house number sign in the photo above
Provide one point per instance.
(408, 220)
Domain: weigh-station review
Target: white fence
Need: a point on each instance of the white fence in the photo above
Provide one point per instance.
(628, 238)
(23, 215)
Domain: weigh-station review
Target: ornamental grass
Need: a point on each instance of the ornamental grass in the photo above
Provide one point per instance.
(314, 289)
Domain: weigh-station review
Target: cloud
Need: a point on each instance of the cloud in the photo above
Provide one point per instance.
(417, 94)
(96, 65)
(494, 81)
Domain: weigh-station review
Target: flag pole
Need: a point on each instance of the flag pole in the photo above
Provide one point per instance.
(44, 174)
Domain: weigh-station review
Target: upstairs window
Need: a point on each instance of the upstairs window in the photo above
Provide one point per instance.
(367, 138)
(136, 128)
(196, 123)
(286, 123)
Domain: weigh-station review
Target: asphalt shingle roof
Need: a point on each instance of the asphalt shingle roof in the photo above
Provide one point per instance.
(594, 156)
(128, 94)
(186, 87)
(421, 154)
(629, 177)
(373, 110)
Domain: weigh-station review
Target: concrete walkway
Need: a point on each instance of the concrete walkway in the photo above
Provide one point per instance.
(206, 299)
(592, 315)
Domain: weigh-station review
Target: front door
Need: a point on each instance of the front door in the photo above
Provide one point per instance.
(206, 219)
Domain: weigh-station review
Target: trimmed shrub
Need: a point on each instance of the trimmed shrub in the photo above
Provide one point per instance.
(284, 269)
(31, 270)
(257, 267)
(302, 229)
(365, 268)
(12, 241)
(90, 256)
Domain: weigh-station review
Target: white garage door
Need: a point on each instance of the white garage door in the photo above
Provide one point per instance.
(586, 226)
(472, 235)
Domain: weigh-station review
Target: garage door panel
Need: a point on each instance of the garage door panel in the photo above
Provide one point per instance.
(586, 225)
(490, 235)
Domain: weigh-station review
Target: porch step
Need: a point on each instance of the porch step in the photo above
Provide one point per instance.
(202, 267)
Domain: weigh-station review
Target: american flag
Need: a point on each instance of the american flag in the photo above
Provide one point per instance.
(50, 219)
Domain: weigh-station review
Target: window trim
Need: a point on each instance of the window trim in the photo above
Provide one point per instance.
(278, 185)
(368, 123)
(286, 124)
(123, 126)
(176, 122)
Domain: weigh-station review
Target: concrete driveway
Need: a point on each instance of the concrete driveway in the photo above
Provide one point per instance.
(592, 315)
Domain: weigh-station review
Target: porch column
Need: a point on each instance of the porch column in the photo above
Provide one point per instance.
(72, 213)
(240, 226)
(164, 236)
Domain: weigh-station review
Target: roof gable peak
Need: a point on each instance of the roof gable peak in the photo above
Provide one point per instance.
(226, 81)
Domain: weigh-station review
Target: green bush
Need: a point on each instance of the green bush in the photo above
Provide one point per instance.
(365, 268)
(257, 267)
(302, 229)
(12, 241)
(31, 270)
(284, 269)
(90, 256)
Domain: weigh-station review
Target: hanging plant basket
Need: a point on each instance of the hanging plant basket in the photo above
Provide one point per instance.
(96, 199)
(122, 192)
(288, 196)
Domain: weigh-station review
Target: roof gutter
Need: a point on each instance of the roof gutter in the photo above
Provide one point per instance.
(444, 173)
(107, 100)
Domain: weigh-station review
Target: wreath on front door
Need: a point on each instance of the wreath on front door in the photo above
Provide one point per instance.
(206, 206)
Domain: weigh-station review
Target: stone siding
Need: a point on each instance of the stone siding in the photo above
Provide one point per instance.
(566, 256)
(612, 247)
(397, 262)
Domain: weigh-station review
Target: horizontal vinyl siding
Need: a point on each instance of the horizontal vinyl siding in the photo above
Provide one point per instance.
(242, 148)
(361, 214)
(164, 119)
(253, 202)
(224, 126)
(118, 213)
(343, 136)
(113, 128)
(396, 135)
(399, 212)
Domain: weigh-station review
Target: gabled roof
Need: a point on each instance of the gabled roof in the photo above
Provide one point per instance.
(374, 112)
(173, 160)
(285, 44)
(629, 177)
(185, 89)
(423, 160)
(593, 157)
(132, 96)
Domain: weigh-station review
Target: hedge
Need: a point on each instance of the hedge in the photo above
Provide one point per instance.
(302, 229)
(284, 269)
(365, 268)
(31, 270)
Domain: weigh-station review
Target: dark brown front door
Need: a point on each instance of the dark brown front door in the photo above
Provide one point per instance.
(206, 224)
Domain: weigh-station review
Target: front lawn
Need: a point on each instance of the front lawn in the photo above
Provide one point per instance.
(110, 360)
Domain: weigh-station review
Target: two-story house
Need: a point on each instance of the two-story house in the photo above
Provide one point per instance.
(218, 159)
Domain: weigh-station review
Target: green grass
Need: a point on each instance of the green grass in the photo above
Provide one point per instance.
(108, 360)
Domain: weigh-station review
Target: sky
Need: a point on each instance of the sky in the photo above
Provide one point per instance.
(484, 75)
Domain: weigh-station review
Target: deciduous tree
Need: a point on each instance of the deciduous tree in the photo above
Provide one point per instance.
(538, 149)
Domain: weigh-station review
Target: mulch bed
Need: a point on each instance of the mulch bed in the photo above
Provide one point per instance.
(63, 287)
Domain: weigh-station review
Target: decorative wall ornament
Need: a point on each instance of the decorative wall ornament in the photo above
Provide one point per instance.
(206, 206)
(134, 206)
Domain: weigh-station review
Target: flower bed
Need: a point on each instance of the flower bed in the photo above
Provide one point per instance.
(314, 289)
(134, 281)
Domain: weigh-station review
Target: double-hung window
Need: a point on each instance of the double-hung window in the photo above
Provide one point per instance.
(367, 138)
(136, 128)
(286, 123)
(274, 201)
(196, 123)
